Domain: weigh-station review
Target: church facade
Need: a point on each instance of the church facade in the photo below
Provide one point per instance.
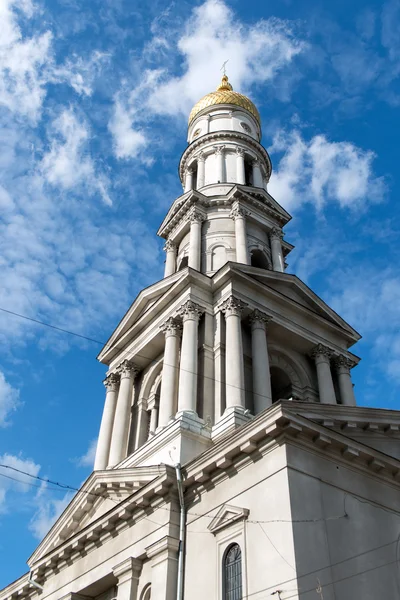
(232, 459)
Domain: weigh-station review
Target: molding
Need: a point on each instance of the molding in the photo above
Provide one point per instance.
(227, 135)
(227, 515)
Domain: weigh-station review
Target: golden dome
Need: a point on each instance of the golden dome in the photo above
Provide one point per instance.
(224, 95)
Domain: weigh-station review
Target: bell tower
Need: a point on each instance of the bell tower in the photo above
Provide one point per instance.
(227, 332)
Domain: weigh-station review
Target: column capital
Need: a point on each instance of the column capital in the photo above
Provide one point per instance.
(276, 233)
(171, 327)
(321, 353)
(169, 246)
(232, 306)
(195, 216)
(190, 311)
(239, 151)
(189, 170)
(343, 364)
(259, 319)
(238, 212)
(111, 382)
(127, 369)
(219, 150)
(200, 156)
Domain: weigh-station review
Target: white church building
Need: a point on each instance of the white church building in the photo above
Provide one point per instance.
(232, 462)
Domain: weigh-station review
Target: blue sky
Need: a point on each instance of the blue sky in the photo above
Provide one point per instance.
(94, 99)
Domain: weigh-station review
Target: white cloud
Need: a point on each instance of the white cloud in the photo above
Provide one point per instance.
(47, 513)
(12, 481)
(68, 164)
(80, 73)
(127, 142)
(320, 171)
(9, 400)
(370, 300)
(87, 460)
(212, 35)
(22, 61)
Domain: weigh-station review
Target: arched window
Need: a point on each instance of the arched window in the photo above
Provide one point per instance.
(281, 385)
(232, 576)
(184, 263)
(218, 257)
(146, 594)
(258, 259)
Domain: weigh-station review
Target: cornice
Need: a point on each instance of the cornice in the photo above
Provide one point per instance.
(123, 515)
(223, 135)
(258, 201)
(276, 426)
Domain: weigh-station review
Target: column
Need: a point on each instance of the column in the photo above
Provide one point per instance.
(234, 365)
(103, 444)
(119, 441)
(343, 366)
(189, 180)
(153, 405)
(257, 175)
(141, 422)
(262, 393)
(239, 216)
(201, 171)
(127, 574)
(321, 354)
(163, 556)
(187, 394)
(170, 262)
(220, 171)
(195, 219)
(172, 330)
(240, 172)
(278, 262)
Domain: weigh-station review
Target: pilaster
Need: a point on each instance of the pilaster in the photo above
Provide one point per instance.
(127, 574)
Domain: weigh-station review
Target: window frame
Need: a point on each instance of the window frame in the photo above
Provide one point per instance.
(225, 572)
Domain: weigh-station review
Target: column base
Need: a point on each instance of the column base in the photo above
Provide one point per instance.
(231, 419)
(181, 440)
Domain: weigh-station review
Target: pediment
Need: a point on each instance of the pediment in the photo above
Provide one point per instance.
(227, 515)
(375, 427)
(260, 195)
(140, 306)
(297, 292)
(101, 492)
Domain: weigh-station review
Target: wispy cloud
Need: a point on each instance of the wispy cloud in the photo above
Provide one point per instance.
(211, 35)
(321, 171)
(9, 400)
(87, 460)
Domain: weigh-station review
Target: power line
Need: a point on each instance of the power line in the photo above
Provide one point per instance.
(80, 490)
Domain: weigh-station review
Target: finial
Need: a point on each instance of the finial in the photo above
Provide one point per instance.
(224, 85)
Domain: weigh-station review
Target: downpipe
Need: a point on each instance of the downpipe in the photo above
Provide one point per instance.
(182, 535)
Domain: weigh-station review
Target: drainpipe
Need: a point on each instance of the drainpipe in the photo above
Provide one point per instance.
(34, 583)
(182, 535)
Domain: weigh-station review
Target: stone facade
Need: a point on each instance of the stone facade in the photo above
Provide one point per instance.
(230, 440)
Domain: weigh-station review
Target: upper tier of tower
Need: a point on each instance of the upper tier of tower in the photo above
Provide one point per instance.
(224, 136)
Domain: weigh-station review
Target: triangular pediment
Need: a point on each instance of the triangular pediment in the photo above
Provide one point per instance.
(259, 195)
(102, 492)
(375, 427)
(227, 515)
(294, 290)
(143, 303)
